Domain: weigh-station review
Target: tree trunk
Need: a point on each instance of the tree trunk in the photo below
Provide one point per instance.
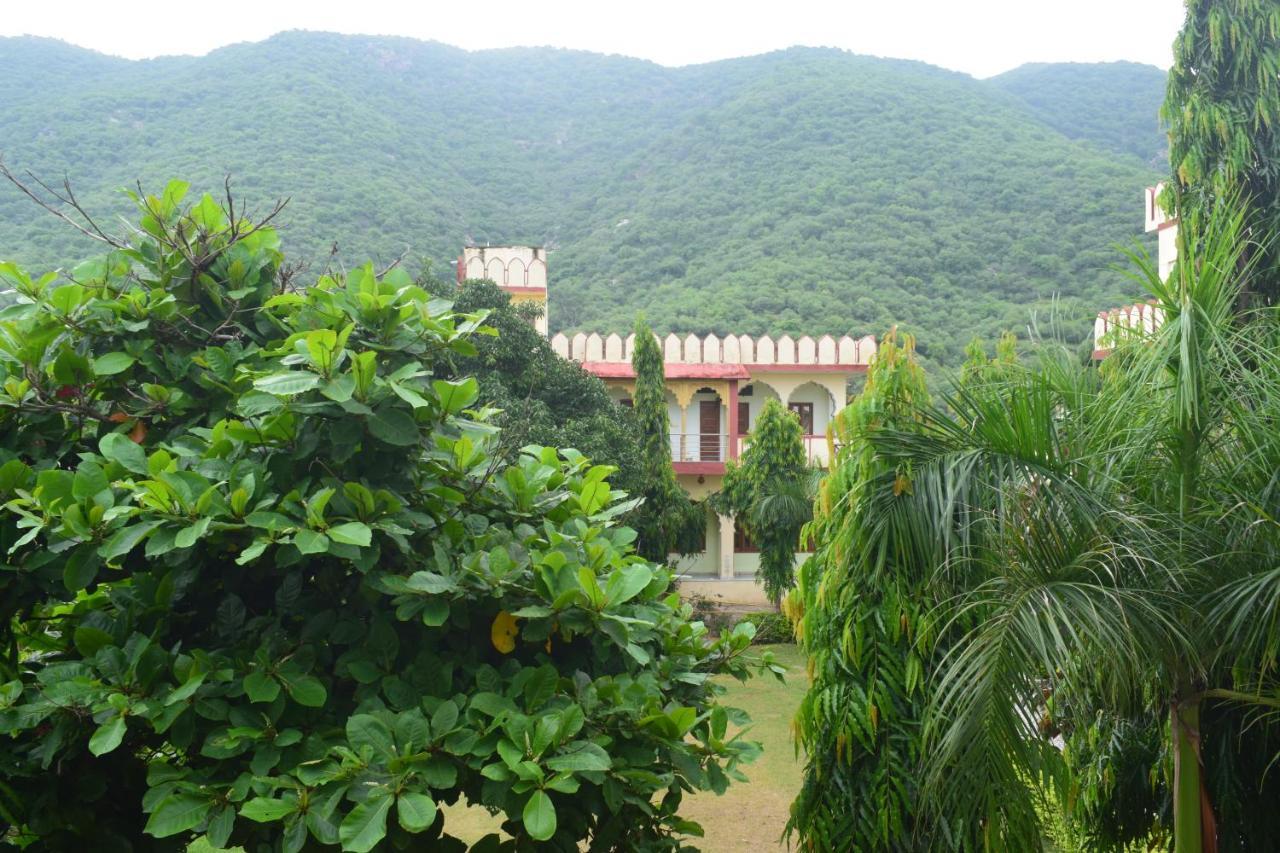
(1194, 828)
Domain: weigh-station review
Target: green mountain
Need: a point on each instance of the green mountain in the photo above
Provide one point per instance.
(1114, 105)
(800, 191)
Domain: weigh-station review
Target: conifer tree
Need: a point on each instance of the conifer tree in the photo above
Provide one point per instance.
(666, 514)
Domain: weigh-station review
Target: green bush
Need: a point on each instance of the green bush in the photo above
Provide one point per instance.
(270, 583)
(770, 628)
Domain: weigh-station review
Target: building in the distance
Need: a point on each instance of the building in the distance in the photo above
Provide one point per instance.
(519, 270)
(1144, 316)
(716, 387)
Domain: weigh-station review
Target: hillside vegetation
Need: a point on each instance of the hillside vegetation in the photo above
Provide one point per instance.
(800, 191)
(1111, 104)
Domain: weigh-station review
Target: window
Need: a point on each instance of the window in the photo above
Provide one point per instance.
(742, 543)
(805, 413)
(744, 418)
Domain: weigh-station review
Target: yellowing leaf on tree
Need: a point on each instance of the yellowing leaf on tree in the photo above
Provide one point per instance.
(503, 632)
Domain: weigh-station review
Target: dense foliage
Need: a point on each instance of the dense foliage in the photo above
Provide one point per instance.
(805, 191)
(767, 492)
(1223, 110)
(666, 518)
(270, 581)
(543, 399)
(1113, 529)
(864, 614)
(1109, 104)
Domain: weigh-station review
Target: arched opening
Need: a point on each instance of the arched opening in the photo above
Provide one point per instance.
(814, 406)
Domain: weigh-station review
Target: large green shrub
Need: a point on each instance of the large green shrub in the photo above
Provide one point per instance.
(266, 582)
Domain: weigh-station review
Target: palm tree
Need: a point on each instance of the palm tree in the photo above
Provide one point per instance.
(1107, 537)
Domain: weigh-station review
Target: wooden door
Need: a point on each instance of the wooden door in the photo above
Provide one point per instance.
(709, 430)
(744, 418)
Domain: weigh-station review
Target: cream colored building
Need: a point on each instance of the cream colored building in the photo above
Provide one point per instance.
(1143, 316)
(519, 270)
(716, 388)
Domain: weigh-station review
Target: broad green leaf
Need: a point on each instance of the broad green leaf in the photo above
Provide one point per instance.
(626, 583)
(261, 687)
(367, 730)
(540, 816)
(307, 690)
(178, 812)
(456, 395)
(126, 538)
(582, 756)
(108, 736)
(112, 363)
(120, 448)
(444, 719)
(310, 541)
(394, 426)
(435, 612)
(415, 811)
(288, 383)
(365, 825)
(267, 809)
(351, 533)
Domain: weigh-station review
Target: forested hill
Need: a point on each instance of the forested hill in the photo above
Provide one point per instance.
(800, 191)
(1115, 105)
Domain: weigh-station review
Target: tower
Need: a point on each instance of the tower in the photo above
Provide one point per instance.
(519, 270)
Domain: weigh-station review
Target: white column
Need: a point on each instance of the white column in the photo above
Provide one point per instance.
(726, 547)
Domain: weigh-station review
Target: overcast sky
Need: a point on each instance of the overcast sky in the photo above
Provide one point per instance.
(981, 37)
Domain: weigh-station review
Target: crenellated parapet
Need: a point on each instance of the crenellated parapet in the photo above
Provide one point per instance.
(762, 351)
(1142, 318)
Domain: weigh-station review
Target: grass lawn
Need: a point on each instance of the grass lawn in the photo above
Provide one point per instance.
(750, 816)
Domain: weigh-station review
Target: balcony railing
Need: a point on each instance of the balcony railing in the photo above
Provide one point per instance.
(815, 449)
(699, 447)
(709, 447)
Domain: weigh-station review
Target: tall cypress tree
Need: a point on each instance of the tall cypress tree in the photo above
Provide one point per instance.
(667, 513)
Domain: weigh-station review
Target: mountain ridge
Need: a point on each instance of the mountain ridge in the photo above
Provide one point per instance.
(804, 190)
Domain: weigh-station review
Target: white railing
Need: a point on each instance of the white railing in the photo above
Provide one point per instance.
(815, 449)
(699, 447)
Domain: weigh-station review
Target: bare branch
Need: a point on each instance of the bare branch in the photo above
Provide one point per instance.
(93, 231)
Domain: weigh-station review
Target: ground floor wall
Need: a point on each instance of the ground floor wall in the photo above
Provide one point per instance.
(722, 570)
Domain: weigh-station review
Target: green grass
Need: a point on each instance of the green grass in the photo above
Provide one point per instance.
(750, 816)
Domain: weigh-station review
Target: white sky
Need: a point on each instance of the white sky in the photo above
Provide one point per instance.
(981, 37)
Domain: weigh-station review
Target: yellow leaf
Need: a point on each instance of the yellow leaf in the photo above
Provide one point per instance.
(503, 633)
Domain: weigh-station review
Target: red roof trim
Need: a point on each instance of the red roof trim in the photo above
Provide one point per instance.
(622, 370)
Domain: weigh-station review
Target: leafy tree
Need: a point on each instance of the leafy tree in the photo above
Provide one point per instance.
(863, 612)
(1223, 111)
(666, 515)
(544, 399)
(1114, 531)
(270, 582)
(768, 494)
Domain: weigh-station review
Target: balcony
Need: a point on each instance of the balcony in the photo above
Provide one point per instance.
(815, 449)
(699, 452)
(706, 453)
